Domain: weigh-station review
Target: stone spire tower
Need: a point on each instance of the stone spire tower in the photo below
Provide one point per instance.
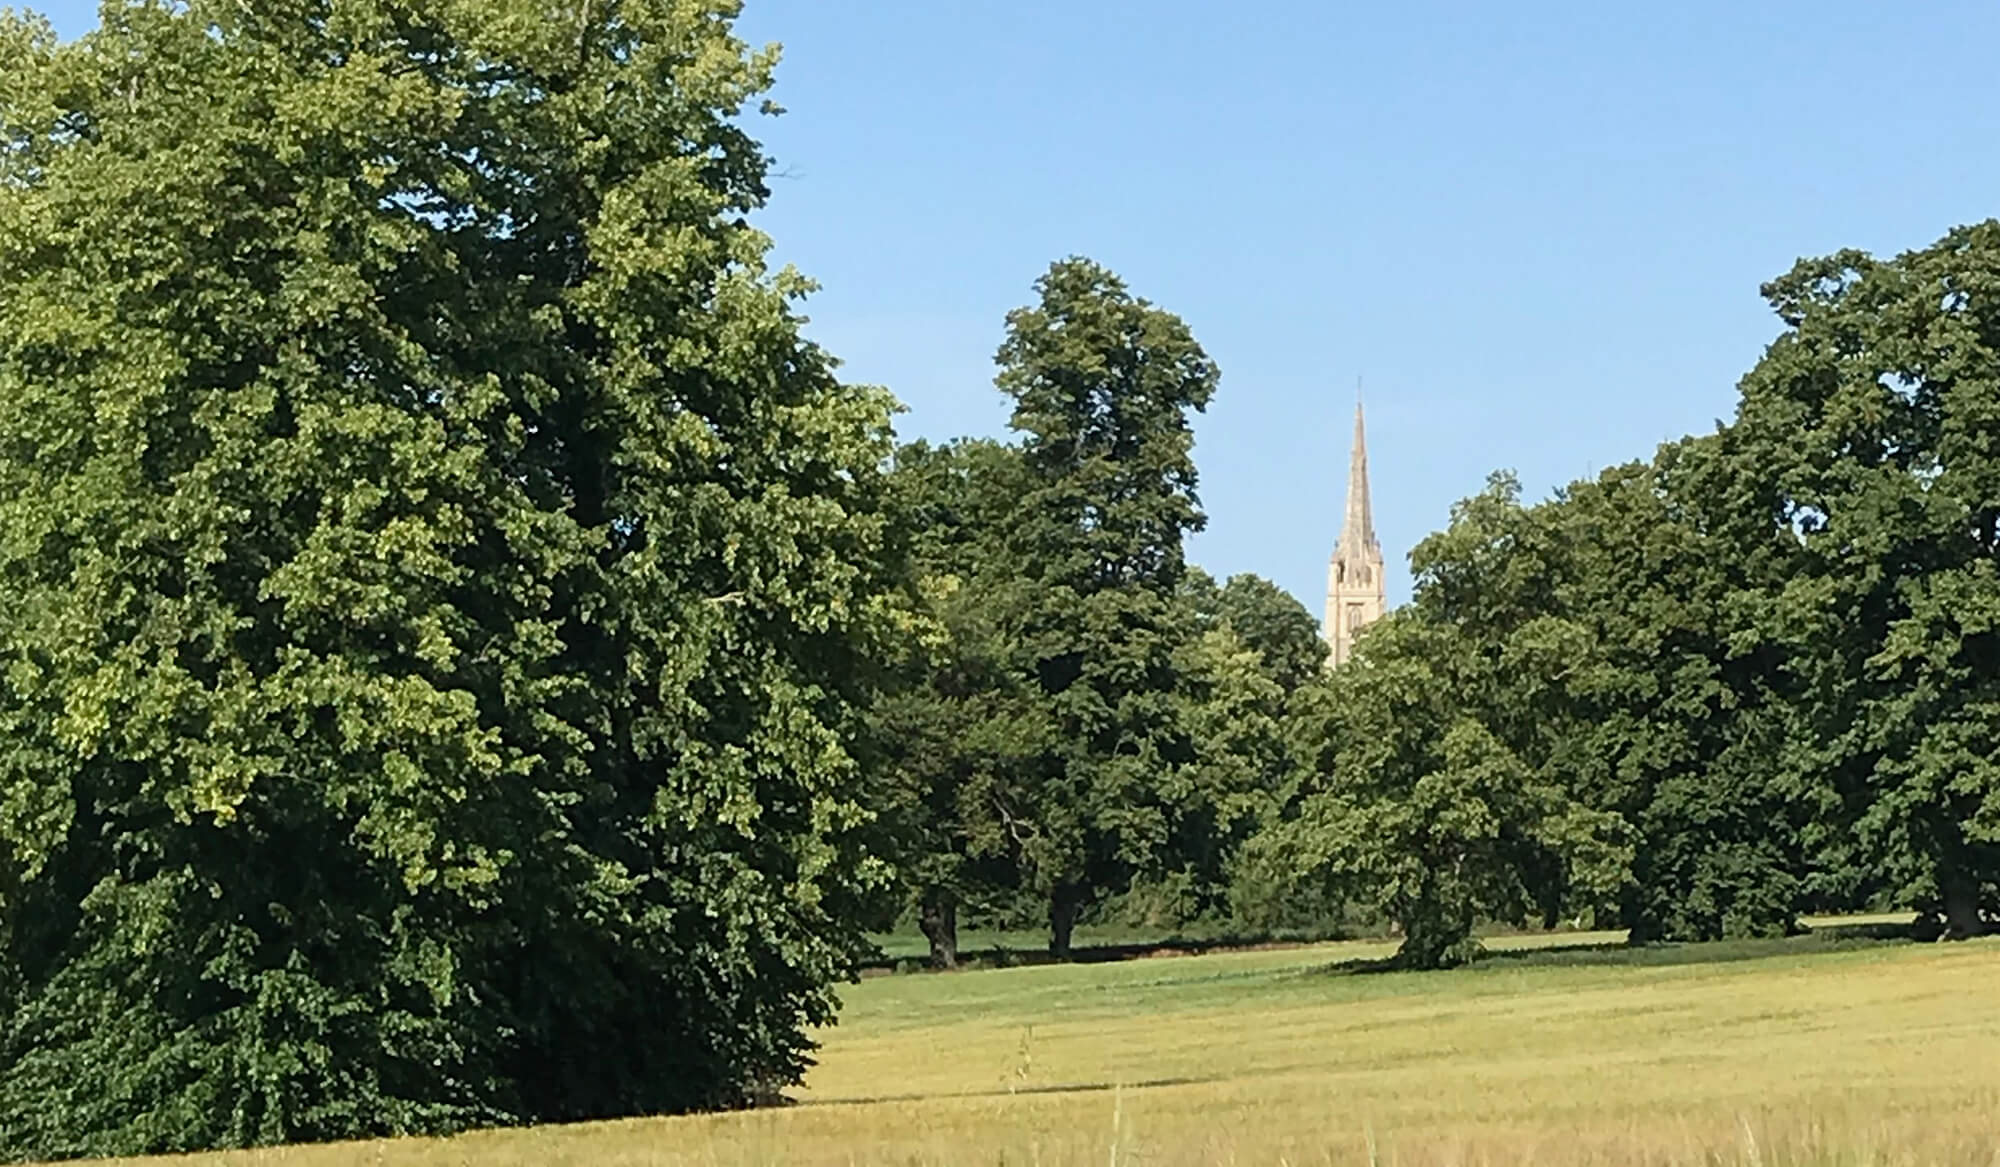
(1355, 595)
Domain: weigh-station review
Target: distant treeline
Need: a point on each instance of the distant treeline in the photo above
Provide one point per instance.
(465, 658)
(1695, 697)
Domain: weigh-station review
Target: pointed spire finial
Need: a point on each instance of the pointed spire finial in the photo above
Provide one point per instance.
(1357, 531)
(1355, 594)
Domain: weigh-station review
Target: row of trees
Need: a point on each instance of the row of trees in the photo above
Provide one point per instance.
(1699, 696)
(466, 658)
(1694, 697)
(1088, 710)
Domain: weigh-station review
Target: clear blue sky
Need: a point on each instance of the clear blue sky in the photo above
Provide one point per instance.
(1536, 230)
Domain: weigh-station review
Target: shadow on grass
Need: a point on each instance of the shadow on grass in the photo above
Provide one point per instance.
(1821, 939)
(1059, 1088)
(988, 958)
(1662, 954)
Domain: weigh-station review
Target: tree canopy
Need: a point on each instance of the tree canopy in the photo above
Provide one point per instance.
(1877, 414)
(441, 584)
(466, 657)
(1103, 384)
(1764, 659)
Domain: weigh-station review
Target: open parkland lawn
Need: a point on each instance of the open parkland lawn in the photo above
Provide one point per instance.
(1836, 1047)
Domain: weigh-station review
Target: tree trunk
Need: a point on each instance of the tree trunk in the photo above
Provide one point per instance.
(1960, 892)
(1063, 904)
(939, 920)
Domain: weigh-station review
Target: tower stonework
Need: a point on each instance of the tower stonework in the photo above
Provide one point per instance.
(1355, 592)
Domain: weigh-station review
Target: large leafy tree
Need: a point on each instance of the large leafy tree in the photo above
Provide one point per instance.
(1254, 651)
(1234, 712)
(960, 731)
(436, 579)
(1663, 711)
(1878, 411)
(1685, 723)
(1104, 384)
(1421, 811)
(1267, 620)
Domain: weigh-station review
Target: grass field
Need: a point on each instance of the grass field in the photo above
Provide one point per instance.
(1829, 1048)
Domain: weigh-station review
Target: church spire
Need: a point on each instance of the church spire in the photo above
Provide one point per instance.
(1355, 593)
(1357, 531)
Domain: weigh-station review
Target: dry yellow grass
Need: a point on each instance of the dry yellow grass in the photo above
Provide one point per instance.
(1802, 1052)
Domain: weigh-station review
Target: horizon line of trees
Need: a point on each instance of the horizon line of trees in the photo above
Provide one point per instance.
(466, 658)
(1694, 697)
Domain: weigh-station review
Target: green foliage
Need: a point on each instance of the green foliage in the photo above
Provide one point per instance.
(1877, 413)
(960, 726)
(463, 659)
(1625, 612)
(1103, 385)
(1085, 720)
(1236, 778)
(1685, 722)
(1265, 619)
(439, 581)
(1768, 658)
(1426, 814)
(1619, 657)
